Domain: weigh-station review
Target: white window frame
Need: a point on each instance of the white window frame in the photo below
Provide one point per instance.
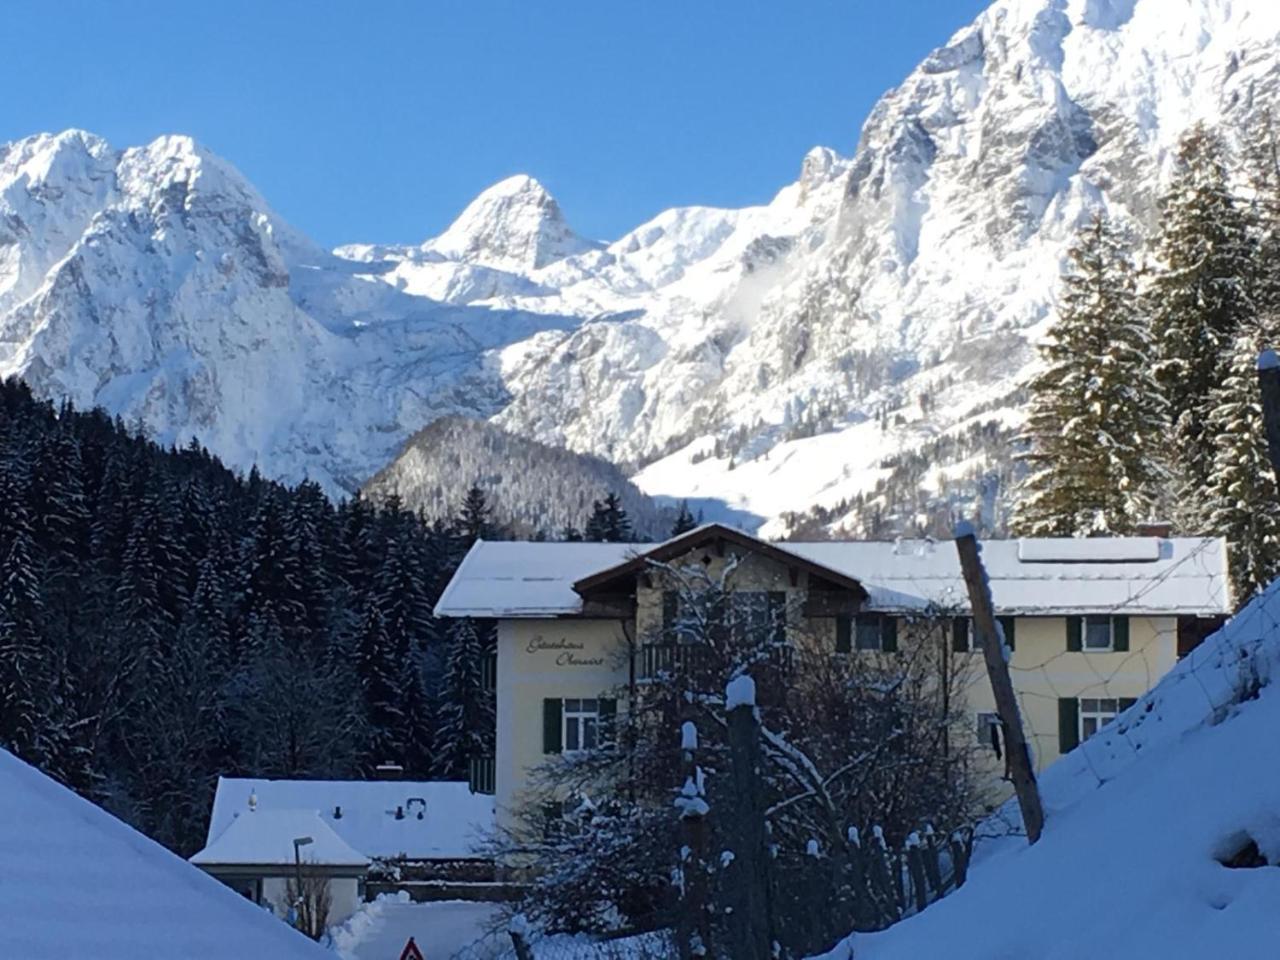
(986, 720)
(1098, 620)
(580, 724)
(1096, 712)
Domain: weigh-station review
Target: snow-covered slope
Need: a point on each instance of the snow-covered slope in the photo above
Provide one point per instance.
(776, 358)
(78, 881)
(1141, 819)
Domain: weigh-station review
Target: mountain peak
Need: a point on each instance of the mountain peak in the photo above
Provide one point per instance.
(513, 225)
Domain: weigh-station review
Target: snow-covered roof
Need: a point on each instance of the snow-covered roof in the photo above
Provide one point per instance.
(1134, 575)
(76, 881)
(438, 820)
(263, 837)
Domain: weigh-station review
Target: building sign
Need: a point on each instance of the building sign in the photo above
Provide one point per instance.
(568, 653)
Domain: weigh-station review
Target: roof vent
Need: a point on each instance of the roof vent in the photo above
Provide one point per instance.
(253, 801)
(420, 804)
(337, 813)
(399, 813)
(1090, 550)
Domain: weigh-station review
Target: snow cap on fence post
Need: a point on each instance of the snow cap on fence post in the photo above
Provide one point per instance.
(688, 736)
(740, 692)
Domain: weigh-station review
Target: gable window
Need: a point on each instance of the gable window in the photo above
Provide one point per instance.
(1096, 713)
(581, 725)
(740, 615)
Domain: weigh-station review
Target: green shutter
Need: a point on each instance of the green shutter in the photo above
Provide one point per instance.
(1007, 624)
(889, 634)
(552, 725)
(1075, 634)
(960, 634)
(1068, 724)
(1120, 634)
(670, 610)
(844, 634)
(777, 606)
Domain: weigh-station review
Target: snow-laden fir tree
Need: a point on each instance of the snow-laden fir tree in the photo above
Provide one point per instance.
(1200, 297)
(380, 673)
(609, 522)
(1244, 503)
(1095, 415)
(465, 718)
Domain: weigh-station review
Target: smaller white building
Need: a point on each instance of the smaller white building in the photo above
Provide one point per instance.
(355, 826)
(261, 851)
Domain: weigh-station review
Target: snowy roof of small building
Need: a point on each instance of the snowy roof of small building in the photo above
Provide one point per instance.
(438, 821)
(78, 881)
(1135, 575)
(263, 837)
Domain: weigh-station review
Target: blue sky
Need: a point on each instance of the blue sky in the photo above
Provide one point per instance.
(378, 121)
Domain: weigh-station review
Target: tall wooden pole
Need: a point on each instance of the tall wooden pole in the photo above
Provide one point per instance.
(1269, 387)
(984, 622)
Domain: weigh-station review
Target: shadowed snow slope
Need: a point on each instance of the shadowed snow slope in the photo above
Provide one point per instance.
(1138, 818)
(76, 881)
(769, 359)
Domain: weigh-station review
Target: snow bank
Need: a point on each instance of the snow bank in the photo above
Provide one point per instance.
(1137, 820)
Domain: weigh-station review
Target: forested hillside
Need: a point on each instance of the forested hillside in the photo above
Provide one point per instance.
(534, 487)
(164, 621)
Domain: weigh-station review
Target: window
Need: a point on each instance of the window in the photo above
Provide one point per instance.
(989, 732)
(964, 639)
(489, 671)
(872, 631)
(581, 725)
(741, 615)
(1095, 713)
(1097, 633)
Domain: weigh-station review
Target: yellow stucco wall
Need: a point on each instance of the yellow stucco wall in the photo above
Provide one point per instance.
(547, 658)
(1043, 670)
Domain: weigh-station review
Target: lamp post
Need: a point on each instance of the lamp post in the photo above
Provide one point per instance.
(298, 844)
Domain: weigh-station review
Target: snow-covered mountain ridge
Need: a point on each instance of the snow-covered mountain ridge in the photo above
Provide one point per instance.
(775, 358)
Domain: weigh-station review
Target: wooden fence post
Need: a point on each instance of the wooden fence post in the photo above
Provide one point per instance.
(984, 622)
(751, 928)
(1269, 387)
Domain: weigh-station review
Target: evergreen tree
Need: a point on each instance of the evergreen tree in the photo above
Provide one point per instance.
(609, 523)
(1244, 502)
(475, 521)
(1201, 296)
(1095, 414)
(466, 716)
(684, 521)
(379, 672)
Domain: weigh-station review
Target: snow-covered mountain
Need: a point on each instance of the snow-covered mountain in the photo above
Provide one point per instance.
(870, 324)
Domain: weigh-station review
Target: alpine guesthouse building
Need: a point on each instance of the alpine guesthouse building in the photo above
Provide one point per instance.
(1091, 624)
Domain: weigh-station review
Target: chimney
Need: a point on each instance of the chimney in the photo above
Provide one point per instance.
(387, 770)
(1155, 528)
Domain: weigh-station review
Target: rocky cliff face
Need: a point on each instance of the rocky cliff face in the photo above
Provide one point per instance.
(878, 311)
